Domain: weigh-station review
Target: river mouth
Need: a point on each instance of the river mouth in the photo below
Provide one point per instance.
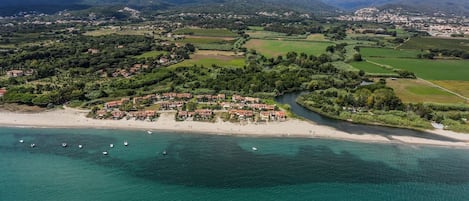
(358, 129)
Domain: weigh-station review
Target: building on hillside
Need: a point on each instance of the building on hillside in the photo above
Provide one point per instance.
(3, 91)
(15, 73)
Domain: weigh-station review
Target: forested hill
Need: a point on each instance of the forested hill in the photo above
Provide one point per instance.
(9, 7)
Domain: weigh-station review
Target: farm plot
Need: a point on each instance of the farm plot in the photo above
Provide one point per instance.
(273, 48)
(418, 91)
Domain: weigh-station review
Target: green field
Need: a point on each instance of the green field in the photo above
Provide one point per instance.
(206, 32)
(260, 34)
(436, 43)
(430, 69)
(103, 32)
(150, 54)
(388, 52)
(208, 58)
(418, 91)
(370, 68)
(273, 48)
(210, 43)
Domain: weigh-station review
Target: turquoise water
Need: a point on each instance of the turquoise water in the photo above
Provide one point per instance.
(207, 167)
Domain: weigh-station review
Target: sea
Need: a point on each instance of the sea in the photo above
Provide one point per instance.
(215, 167)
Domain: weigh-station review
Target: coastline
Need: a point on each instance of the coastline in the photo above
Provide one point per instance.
(73, 118)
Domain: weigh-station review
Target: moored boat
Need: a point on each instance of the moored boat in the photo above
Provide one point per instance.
(126, 143)
(21, 140)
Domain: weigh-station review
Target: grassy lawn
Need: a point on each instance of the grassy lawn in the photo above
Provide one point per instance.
(316, 37)
(430, 69)
(273, 48)
(150, 54)
(388, 53)
(460, 87)
(417, 91)
(210, 43)
(436, 43)
(370, 68)
(208, 58)
(206, 32)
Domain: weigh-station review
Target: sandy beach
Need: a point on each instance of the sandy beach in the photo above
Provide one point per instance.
(72, 118)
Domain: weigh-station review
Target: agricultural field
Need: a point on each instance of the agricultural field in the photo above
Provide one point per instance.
(206, 32)
(388, 53)
(150, 54)
(426, 43)
(208, 58)
(316, 37)
(430, 69)
(210, 43)
(418, 91)
(103, 32)
(371, 68)
(260, 34)
(273, 48)
(460, 87)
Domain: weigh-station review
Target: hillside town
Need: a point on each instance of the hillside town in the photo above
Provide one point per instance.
(436, 25)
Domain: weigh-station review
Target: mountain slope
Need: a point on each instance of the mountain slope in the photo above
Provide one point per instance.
(10, 7)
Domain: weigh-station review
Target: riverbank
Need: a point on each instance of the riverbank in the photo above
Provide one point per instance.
(72, 118)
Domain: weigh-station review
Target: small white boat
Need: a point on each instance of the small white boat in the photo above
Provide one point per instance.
(254, 148)
(149, 132)
(80, 146)
(64, 144)
(165, 153)
(21, 141)
(105, 153)
(111, 145)
(33, 145)
(126, 143)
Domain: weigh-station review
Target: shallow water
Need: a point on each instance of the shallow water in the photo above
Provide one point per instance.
(208, 167)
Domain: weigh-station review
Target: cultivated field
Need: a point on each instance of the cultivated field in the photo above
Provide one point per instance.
(103, 32)
(430, 69)
(273, 48)
(210, 43)
(206, 32)
(388, 53)
(460, 87)
(436, 43)
(150, 54)
(371, 69)
(418, 91)
(316, 37)
(209, 58)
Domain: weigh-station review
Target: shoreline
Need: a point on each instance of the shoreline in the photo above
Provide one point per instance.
(73, 118)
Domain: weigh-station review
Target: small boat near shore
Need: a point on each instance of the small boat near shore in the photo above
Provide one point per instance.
(149, 132)
(105, 153)
(165, 153)
(126, 143)
(21, 141)
(64, 144)
(80, 146)
(254, 148)
(33, 145)
(111, 145)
